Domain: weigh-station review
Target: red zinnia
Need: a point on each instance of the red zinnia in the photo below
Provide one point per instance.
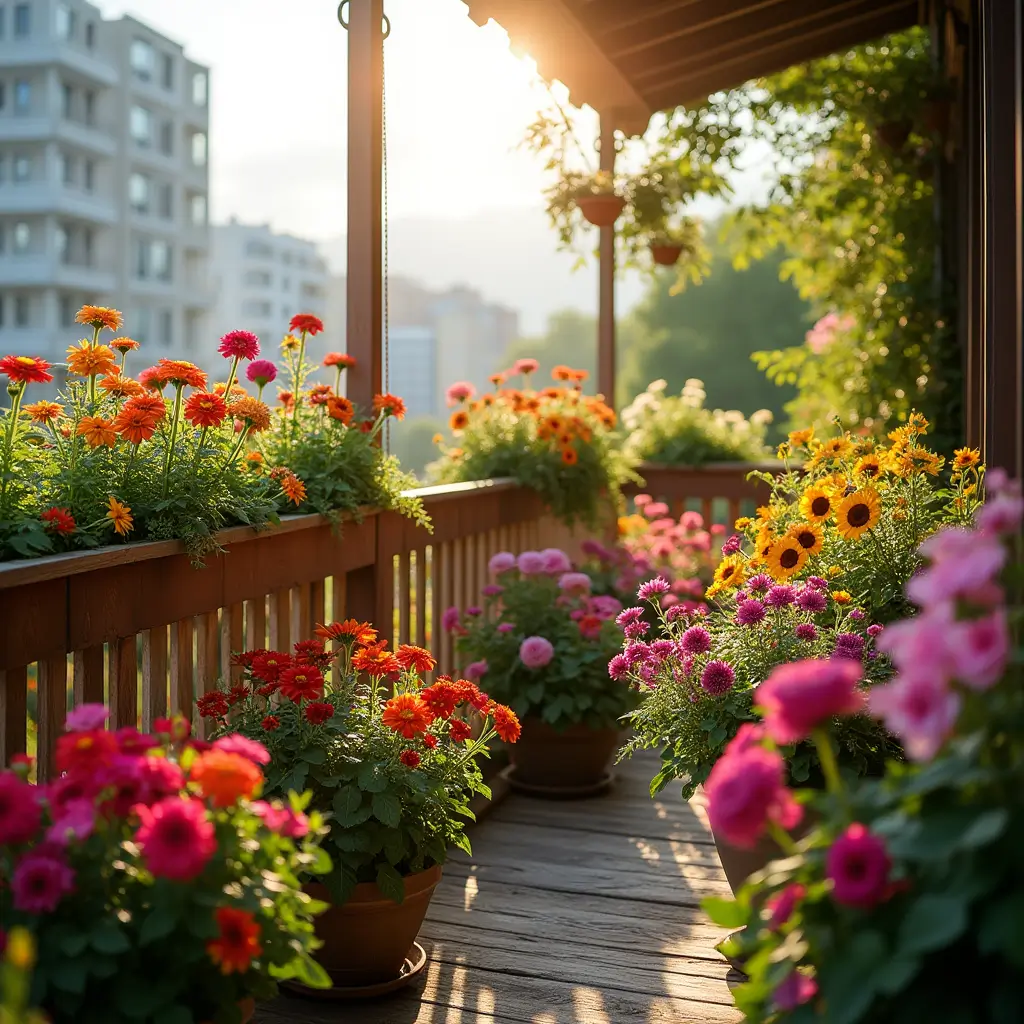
(307, 323)
(239, 345)
(472, 694)
(301, 682)
(365, 426)
(442, 698)
(234, 950)
(429, 740)
(407, 714)
(390, 405)
(212, 705)
(375, 660)
(205, 410)
(268, 665)
(415, 658)
(317, 712)
(270, 723)
(59, 521)
(506, 723)
(459, 731)
(342, 359)
(177, 838)
(25, 369)
(340, 409)
(348, 632)
(409, 758)
(152, 378)
(319, 393)
(180, 373)
(85, 752)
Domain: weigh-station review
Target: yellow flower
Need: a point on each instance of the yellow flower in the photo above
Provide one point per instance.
(730, 573)
(437, 439)
(120, 515)
(858, 513)
(742, 523)
(917, 423)
(969, 490)
(965, 458)
(834, 448)
(629, 524)
(44, 412)
(808, 536)
(783, 451)
(835, 570)
(817, 504)
(785, 558)
(763, 544)
(289, 342)
(869, 466)
(917, 460)
(841, 596)
(801, 438)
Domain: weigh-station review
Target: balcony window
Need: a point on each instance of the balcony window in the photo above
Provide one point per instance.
(3, 85)
(67, 101)
(141, 125)
(166, 331)
(67, 311)
(90, 175)
(167, 71)
(61, 238)
(67, 168)
(167, 138)
(199, 149)
(142, 59)
(22, 168)
(22, 21)
(257, 278)
(22, 312)
(90, 35)
(65, 21)
(138, 192)
(22, 97)
(200, 85)
(22, 240)
(197, 210)
(90, 108)
(160, 260)
(166, 201)
(255, 307)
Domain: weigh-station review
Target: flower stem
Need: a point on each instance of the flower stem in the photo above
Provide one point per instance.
(829, 765)
(337, 380)
(199, 447)
(12, 428)
(175, 416)
(782, 838)
(128, 468)
(234, 451)
(231, 379)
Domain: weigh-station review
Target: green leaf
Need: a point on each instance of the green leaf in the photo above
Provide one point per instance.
(932, 922)
(387, 809)
(390, 882)
(313, 755)
(893, 975)
(346, 801)
(75, 944)
(174, 1015)
(985, 829)
(727, 913)
(371, 779)
(158, 925)
(1002, 929)
(69, 975)
(108, 938)
(849, 980)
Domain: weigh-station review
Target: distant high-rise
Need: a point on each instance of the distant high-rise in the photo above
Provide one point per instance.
(104, 181)
(262, 279)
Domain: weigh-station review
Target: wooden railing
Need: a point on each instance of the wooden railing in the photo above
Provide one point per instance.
(137, 627)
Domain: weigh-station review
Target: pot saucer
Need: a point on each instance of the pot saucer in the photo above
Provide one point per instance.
(415, 961)
(557, 792)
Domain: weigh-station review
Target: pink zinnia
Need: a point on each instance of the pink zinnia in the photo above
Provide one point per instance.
(20, 814)
(858, 865)
(251, 750)
(1001, 514)
(530, 563)
(780, 907)
(536, 652)
(798, 697)
(921, 643)
(745, 791)
(77, 822)
(794, 991)
(980, 648)
(555, 561)
(918, 708)
(501, 561)
(574, 583)
(506, 627)
(239, 345)
(281, 819)
(525, 366)
(40, 881)
(86, 717)
(477, 669)
(450, 619)
(261, 372)
(962, 561)
(460, 391)
(656, 509)
(177, 838)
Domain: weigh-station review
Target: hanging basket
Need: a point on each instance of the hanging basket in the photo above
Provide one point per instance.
(602, 209)
(666, 254)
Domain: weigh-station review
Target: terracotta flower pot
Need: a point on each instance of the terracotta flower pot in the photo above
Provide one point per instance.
(665, 254)
(601, 210)
(366, 940)
(576, 757)
(248, 1008)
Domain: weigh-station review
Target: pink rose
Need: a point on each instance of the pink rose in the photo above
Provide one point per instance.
(858, 865)
(501, 562)
(794, 991)
(980, 648)
(780, 907)
(1001, 514)
(961, 561)
(798, 697)
(86, 717)
(536, 652)
(920, 709)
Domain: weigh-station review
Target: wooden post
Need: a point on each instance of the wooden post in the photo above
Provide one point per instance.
(606, 281)
(364, 283)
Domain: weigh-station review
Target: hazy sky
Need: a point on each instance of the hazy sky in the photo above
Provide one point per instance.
(457, 104)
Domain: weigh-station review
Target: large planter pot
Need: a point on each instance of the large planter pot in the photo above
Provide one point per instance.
(602, 210)
(576, 758)
(366, 940)
(248, 1008)
(665, 254)
(739, 864)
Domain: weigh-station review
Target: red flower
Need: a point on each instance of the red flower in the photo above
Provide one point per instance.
(318, 711)
(342, 359)
(375, 660)
(205, 410)
(459, 731)
(442, 698)
(340, 409)
(506, 723)
(266, 691)
(270, 723)
(213, 704)
(25, 369)
(348, 632)
(238, 693)
(238, 943)
(472, 694)
(415, 658)
(59, 521)
(390, 405)
(407, 714)
(301, 682)
(409, 758)
(319, 394)
(239, 345)
(268, 665)
(365, 426)
(85, 752)
(429, 740)
(306, 322)
(177, 838)
(246, 658)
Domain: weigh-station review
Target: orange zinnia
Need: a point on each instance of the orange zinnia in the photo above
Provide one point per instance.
(121, 387)
(123, 345)
(252, 412)
(569, 457)
(44, 412)
(407, 714)
(390, 405)
(459, 420)
(224, 778)
(97, 431)
(205, 410)
(135, 425)
(341, 409)
(180, 373)
(120, 515)
(89, 360)
(237, 945)
(375, 660)
(506, 723)
(99, 317)
(416, 658)
(348, 632)
(294, 489)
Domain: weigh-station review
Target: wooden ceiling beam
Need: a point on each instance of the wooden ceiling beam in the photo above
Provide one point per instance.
(611, 16)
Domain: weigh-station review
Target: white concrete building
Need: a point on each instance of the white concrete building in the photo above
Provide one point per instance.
(262, 279)
(103, 180)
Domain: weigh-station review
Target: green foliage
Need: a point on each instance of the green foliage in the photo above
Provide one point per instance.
(573, 687)
(679, 431)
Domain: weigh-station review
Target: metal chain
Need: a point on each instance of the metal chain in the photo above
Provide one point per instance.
(384, 167)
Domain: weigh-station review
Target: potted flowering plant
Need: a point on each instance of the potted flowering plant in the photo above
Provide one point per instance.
(542, 643)
(150, 850)
(556, 440)
(904, 903)
(394, 764)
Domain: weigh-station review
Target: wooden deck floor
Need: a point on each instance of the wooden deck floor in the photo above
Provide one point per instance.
(567, 913)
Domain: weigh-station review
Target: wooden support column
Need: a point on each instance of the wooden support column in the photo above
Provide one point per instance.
(364, 285)
(606, 281)
(1002, 26)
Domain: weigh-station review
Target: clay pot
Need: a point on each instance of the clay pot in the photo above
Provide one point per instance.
(665, 254)
(576, 757)
(602, 209)
(248, 1008)
(739, 864)
(366, 940)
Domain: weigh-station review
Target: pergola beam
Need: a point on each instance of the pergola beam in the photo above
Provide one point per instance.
(606, 280)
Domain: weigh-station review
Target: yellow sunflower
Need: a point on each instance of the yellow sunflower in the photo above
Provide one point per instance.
(834, 449)
(730, 573)
(841, 596)
(742, 523)
(817, 504)
(870, 466)
(965, 458)
(800, 438)
(858, 513)
(762, 545)
(917, 423)
(808, 536)
(785, 557)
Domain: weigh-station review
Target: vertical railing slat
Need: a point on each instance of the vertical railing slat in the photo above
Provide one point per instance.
(124, 682)
(232, 640)
(154, 676)
(317, 597)
(87, 676)
(404, 596)
(421, 597)
(301, 629)
(51, 710)
(182, 678)
(280, 620)
(13, 713)
(256, 624)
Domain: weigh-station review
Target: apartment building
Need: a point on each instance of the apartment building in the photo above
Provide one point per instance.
(262, 279)
(104, 180)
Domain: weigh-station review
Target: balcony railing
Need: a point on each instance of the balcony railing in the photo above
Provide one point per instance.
(138, 627)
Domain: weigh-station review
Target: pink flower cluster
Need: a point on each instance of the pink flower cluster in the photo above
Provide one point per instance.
(961, 636)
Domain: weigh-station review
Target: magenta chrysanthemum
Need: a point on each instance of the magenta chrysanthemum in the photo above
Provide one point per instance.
(806, 631)
(261, 372)
(762, 581)
(811, 600)
(649, 590)
(239, 345)
(39, 883)
(717, 677)
(750, 612)
(780, 595)
(176, 837)
(696, 640)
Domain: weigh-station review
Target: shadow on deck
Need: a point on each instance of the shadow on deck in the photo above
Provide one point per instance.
(567, 913)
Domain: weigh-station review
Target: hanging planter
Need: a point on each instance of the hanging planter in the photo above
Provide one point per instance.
(602, 209)
(666, 254)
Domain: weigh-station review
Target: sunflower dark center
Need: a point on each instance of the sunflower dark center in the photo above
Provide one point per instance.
(727, 571)
(820, 506)
(870, 470)
(859, 515)
(806, 539)
(789, 558)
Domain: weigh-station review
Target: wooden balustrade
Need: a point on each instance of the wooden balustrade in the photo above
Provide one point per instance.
(137, 627)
